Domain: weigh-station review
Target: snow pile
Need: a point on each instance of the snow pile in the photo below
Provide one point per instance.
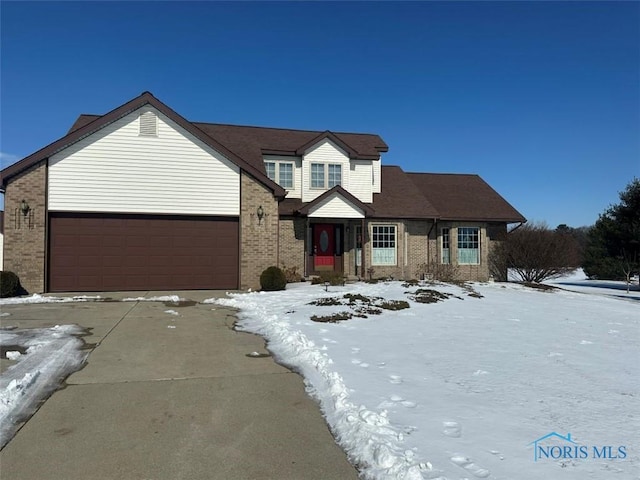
(51, 355)
(162, 298)
(36, 298)
(460, 388)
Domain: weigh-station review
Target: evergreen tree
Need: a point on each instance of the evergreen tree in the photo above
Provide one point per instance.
(613, 249)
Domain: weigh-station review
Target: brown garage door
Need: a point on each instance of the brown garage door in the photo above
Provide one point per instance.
(105, 252)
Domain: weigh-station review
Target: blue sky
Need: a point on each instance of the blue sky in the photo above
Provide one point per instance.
(541, 99)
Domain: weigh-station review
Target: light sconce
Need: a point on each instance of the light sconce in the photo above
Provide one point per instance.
(260, 214)
(24, 208)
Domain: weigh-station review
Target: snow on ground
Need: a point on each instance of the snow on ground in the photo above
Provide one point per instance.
(35, 298)
(48, 356)
(460, 389)
(577, 281)
(162, 298)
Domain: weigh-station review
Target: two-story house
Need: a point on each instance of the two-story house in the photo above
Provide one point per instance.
(142, 199)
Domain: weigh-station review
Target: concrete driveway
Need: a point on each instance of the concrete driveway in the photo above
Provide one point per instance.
(170, 397)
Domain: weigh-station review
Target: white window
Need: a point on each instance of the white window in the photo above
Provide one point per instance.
(446, 252)
(270, 167)
(383, 245)
(285, 175)
(280, 172)
(317, 175)
(335, 175)
(325, 176)
(468, 245)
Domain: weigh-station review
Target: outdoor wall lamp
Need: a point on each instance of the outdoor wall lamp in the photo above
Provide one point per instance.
(24, 208)
(260, 214)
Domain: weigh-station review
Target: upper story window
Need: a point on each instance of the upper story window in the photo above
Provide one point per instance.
(325, 176)
(280, 172)
(468, 245)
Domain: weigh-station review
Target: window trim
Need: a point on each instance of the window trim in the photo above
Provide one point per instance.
(374, 262)
(325, 175)
(476, 241)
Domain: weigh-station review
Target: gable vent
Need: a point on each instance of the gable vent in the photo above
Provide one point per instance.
(148, 124)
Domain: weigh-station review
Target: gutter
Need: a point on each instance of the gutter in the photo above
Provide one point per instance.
(517, 227)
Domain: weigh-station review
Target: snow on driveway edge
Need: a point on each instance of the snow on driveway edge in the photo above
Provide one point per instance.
(368, 438)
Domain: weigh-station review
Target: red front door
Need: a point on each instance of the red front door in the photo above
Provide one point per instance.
(323, 246)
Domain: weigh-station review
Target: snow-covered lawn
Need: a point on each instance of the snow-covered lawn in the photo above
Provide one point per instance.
(44, 357)
(461, 388)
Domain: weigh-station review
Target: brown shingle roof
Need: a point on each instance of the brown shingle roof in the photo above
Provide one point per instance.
(464, 197)
(252, 142)
(400, 198)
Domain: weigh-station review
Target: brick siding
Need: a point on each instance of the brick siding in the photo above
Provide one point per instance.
(25, 237)
(258, 238)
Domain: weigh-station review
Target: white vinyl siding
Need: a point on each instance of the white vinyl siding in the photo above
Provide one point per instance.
(296, 190)
(117, 170)
(337, 207)
(360, 180)
(377, 176)
(325, 153)
(468, 245)
(383, 245)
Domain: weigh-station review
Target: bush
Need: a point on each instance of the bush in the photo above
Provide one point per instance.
(446, 273)
(9, 284)
(273, 279)
(334, 278)
(291, 274)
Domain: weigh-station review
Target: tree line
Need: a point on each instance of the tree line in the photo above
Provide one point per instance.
(609, 250)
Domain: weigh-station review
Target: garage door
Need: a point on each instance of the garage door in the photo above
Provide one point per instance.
(98, 252)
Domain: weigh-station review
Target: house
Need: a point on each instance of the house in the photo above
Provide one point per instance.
(142, 199)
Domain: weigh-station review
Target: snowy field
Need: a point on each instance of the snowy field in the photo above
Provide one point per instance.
(457, 389)
(462, 388)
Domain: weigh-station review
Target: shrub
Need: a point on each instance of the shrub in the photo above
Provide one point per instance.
(446, 273)
(9, 284)
(273, 279)
(291, 274)
(334, 278)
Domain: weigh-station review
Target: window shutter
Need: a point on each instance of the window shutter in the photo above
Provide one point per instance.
(148, 124)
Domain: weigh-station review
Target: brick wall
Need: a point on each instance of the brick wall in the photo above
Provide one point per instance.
(258, 239)
(291, 253)
(25, 237)
(467, 272)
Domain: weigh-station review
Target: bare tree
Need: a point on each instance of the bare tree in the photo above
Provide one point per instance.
(534, 253)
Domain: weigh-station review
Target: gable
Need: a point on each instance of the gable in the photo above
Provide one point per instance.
(335, 205)
(151, 167)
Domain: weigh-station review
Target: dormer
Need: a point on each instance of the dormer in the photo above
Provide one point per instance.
(325, 161)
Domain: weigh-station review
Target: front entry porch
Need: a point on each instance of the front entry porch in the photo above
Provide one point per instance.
(334, 246)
